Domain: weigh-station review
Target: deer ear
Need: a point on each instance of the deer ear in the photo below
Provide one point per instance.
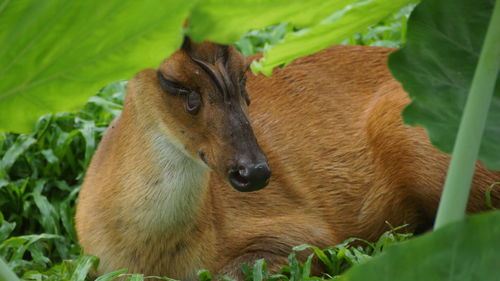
(186, 44)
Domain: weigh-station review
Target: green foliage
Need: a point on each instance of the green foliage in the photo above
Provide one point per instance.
(76, 47)
(6, 273)
(335, 260)
(489, 202)
(316, 24)
(41, 172)
(330, 30)
(56, 54)
(258, 41)
(40, 179)
(389, 32)
(436, 68)
(467, 250)
(68, 270)
(225, 21)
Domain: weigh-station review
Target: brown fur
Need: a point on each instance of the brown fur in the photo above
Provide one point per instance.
(343, 165)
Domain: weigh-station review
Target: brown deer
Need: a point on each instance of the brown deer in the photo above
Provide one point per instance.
(163, 194)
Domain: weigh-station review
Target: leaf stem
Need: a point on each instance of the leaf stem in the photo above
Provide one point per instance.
(6, 273)
(459, 178)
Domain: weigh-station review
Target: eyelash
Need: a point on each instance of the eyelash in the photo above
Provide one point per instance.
(192, 99)
(171, 87)
(177, 89)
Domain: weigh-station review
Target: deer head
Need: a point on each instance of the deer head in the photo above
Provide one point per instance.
(204, 107)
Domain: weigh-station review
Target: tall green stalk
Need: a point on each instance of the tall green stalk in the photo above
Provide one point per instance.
(6, 273)
(459, 178)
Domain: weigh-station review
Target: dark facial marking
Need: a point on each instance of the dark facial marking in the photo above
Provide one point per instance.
(229, 86)
(192, 98)
(243, 88)
(218, 70)
(171, 86)
(219, 76)
(211, 72)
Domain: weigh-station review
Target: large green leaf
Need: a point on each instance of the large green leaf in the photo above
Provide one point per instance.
(436, 68)
(467, 250)
(225, 21)
(330, 31)
(55, 54)
(321, 23)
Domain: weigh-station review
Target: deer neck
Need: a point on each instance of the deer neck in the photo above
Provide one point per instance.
(171, 187)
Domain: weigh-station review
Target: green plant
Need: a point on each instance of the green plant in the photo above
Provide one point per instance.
(335, 260)
(55, 48)
(460, 251)
(48, 164)
(449, 60)
(257, 41)
(390, 32)
(41, 174)
(436, 69)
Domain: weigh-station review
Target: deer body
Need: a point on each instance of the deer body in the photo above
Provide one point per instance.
(342, 165)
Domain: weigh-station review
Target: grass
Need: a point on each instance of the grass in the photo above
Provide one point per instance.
(41, 174)
(40, 177)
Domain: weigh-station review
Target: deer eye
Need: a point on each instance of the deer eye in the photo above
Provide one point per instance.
(171, 86)
(193, 102)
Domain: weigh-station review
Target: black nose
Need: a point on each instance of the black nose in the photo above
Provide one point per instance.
(250, 177)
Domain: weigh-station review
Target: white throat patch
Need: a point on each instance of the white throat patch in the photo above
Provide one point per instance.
(177, 186)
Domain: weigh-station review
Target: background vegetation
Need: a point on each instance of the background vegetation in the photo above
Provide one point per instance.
(51, 48)
(41, 172)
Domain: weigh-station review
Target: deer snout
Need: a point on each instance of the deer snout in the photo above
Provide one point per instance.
(246, 177)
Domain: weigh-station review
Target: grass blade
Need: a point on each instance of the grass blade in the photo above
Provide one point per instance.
(6, 273)
(111, 275)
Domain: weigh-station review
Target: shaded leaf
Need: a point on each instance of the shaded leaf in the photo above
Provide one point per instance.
(14, 151)
(436, 67)
(6, 228)
(467, 250)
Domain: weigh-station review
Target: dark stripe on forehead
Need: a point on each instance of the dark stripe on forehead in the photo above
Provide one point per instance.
(211, 72)
(225, 77)
(219, 76)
